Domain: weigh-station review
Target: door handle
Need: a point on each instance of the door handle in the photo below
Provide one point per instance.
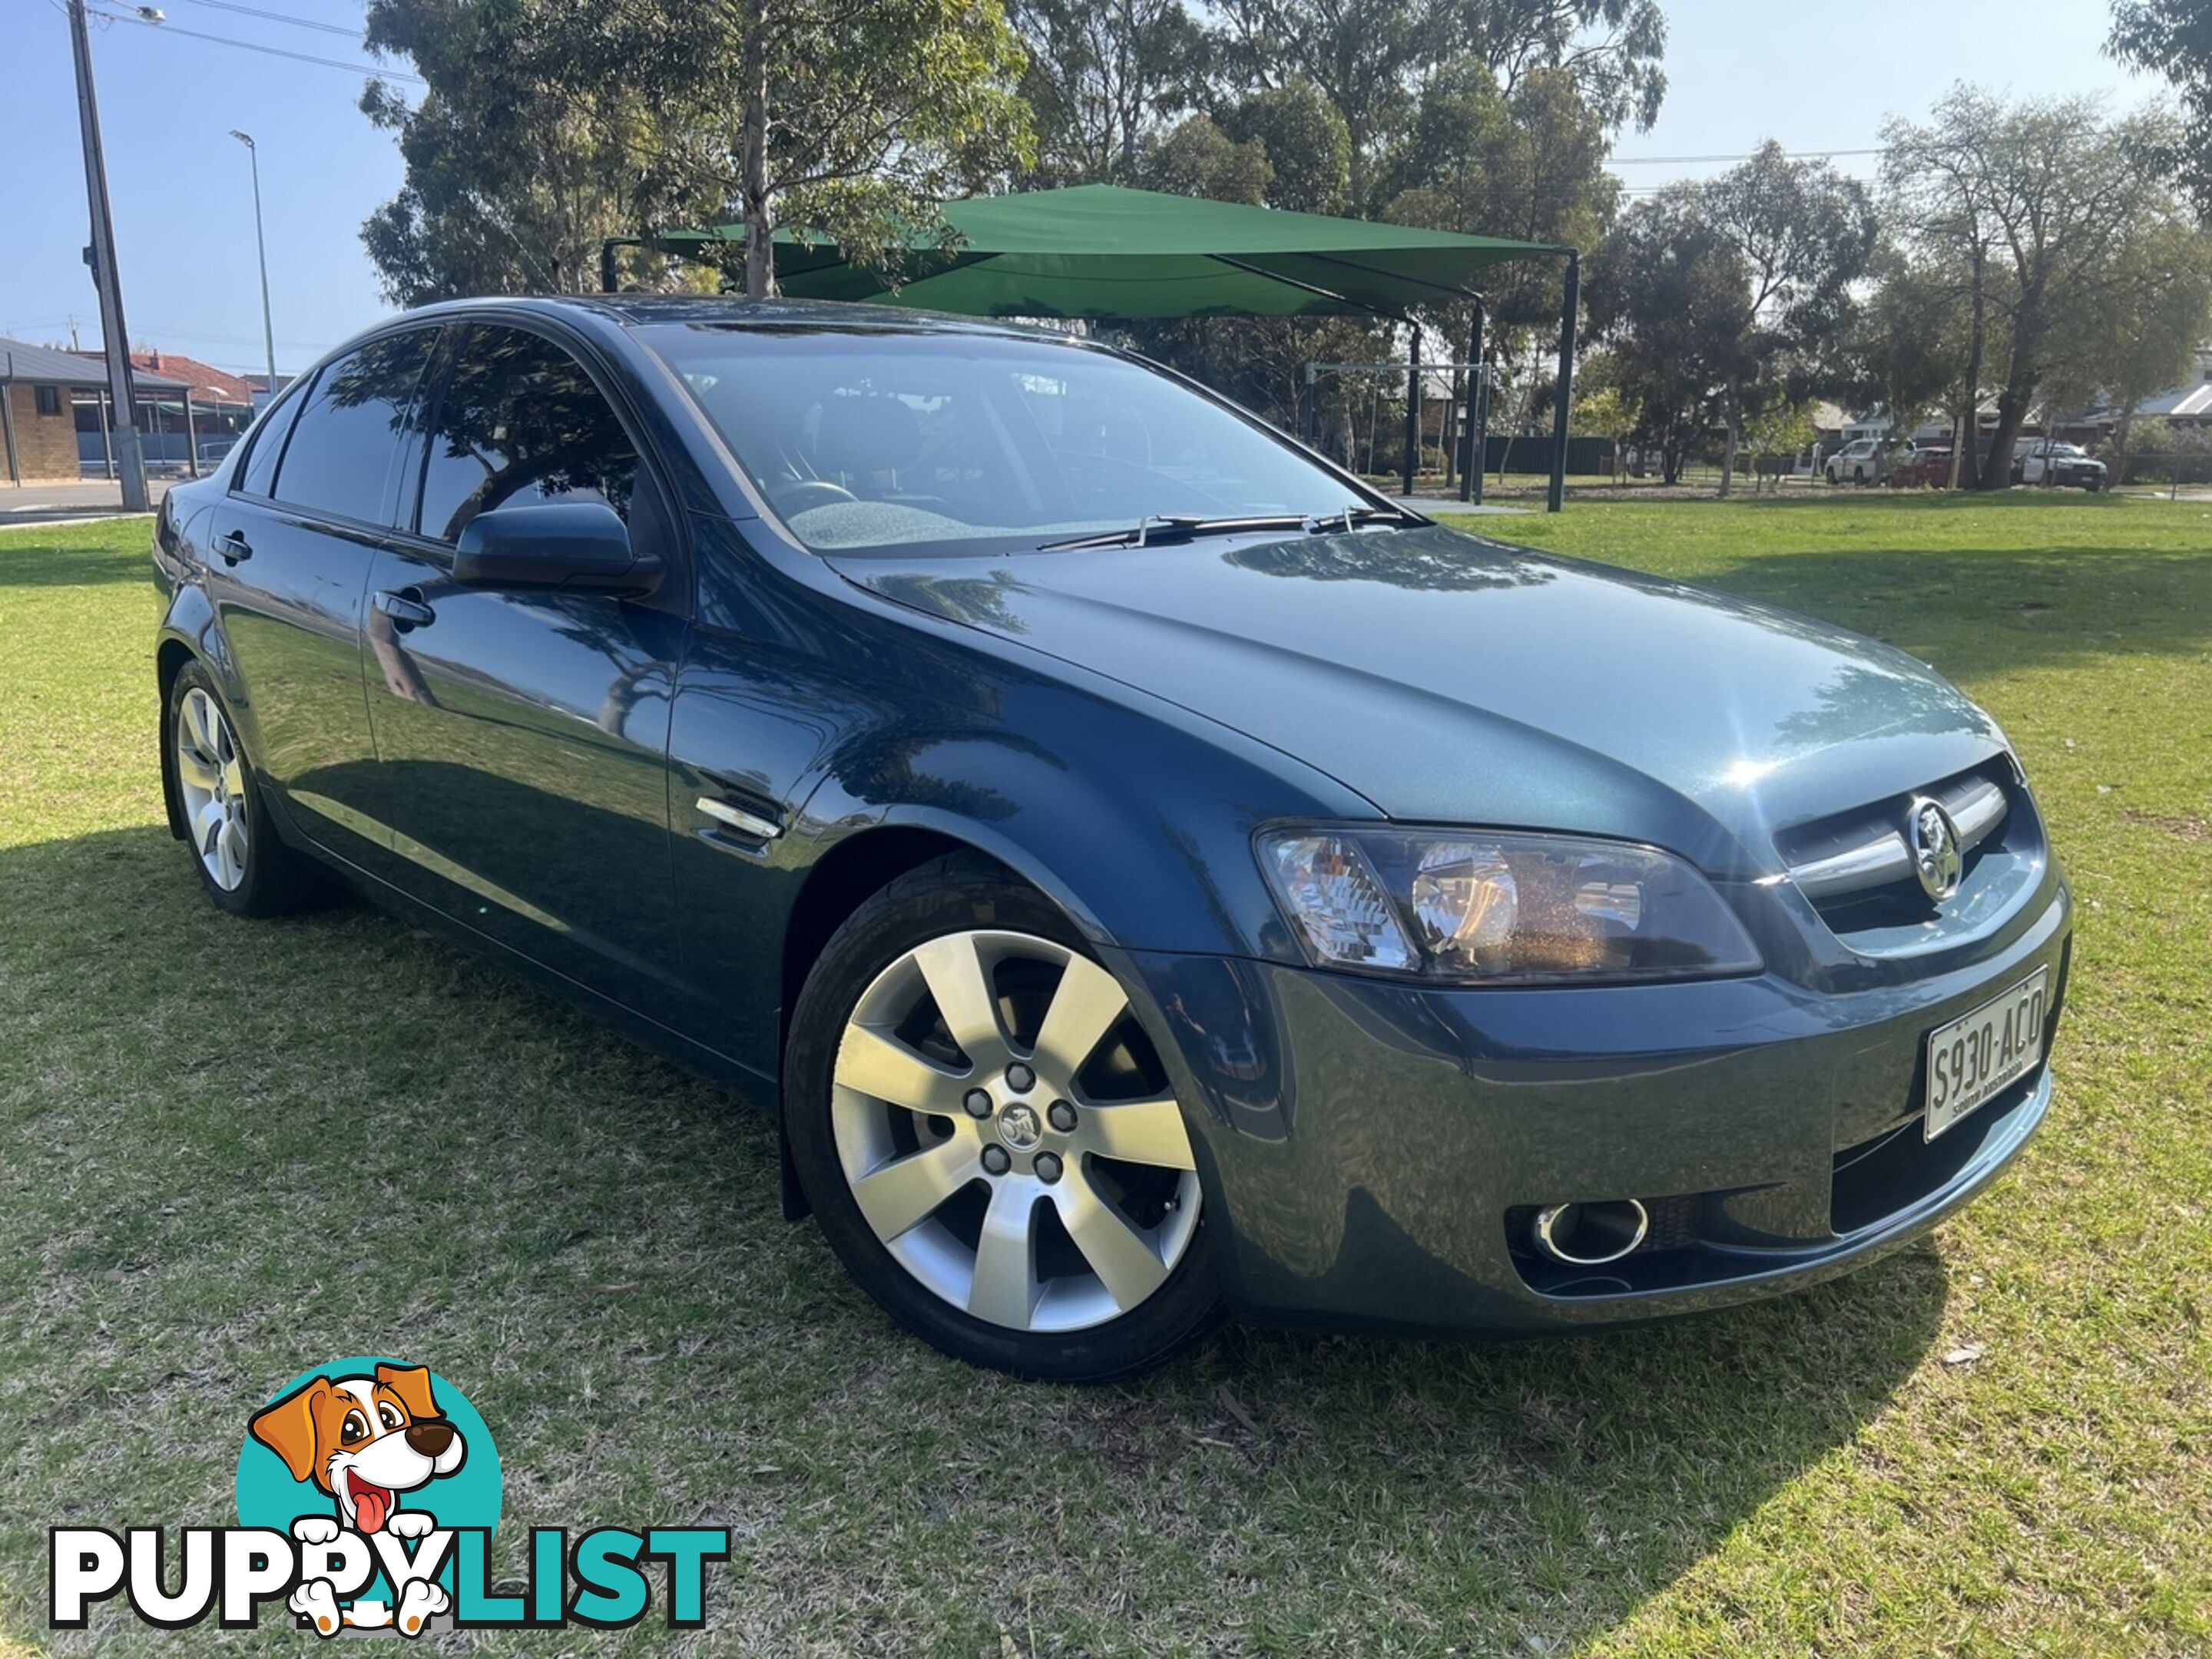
(234, 546)
(405, 608)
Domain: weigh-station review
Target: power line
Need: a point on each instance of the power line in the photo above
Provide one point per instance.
(279, 17)
(270, 51)
(1688, 161)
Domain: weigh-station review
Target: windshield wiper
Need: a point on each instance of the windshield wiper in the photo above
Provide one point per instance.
(1353, 515)
(1163, 529)
(1156, 529)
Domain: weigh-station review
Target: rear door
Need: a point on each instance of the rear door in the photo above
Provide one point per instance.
(290, 560)
(522, 736)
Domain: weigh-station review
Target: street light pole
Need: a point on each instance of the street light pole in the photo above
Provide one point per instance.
(261, 246)
(102, 256)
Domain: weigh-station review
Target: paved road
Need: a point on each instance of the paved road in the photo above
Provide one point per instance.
(62, 503)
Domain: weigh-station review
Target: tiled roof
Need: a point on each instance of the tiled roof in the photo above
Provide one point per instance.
(209, 385)
(42, 366)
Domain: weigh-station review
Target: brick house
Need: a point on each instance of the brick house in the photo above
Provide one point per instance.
(39, 390)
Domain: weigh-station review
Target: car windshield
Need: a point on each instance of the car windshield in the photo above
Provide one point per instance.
(864, 440)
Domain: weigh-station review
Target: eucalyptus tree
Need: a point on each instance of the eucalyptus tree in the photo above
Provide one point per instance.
(1668, 297)
(1308, 146)
(2173, 38)
(2041, 199)
(517, 168)
(1803, 234)
(1103, 77)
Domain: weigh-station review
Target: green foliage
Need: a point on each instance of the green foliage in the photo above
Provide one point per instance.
(2173, 38)
(853, 118)
(517, 164)
(1667, 296)
(1528, 163)
(1781, 428)
(2061, 232)
(1906, 352)
(1307, 145)
(1373, 62)
(1718, 300)
(1197, 158)
(1102, 74)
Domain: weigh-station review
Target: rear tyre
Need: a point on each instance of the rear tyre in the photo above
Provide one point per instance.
(987, 1139)
(245, 867)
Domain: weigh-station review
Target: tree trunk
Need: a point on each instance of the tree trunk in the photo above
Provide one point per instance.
(2120, 442)
(2012, 413)
(760, 207)
(1968, 454)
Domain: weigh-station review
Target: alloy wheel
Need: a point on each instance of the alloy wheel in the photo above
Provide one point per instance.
(211, 778)
(1008, 1135)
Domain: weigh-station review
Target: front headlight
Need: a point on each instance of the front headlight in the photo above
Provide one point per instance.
(1483, 907)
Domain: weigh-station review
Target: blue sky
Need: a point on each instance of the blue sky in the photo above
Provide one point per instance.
(1816, 78)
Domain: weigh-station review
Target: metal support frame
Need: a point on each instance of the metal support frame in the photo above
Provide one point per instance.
(1413, 404)
(1558, 494)
(1475, 446)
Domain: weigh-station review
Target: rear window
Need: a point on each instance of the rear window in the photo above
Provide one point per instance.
(345, 438)
(863, 440)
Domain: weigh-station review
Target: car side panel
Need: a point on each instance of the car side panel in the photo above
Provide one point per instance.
(835, 713)
(289, 620)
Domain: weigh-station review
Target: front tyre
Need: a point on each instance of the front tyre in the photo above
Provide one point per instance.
(246, 868)
(988, 1138)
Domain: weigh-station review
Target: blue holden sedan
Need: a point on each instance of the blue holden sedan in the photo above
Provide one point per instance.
(1145, 874)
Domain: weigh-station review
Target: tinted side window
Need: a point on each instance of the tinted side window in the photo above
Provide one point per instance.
(347, 436)
(268, 444)
(521, 422)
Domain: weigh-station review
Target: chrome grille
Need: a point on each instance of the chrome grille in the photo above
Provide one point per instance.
(1866, 851)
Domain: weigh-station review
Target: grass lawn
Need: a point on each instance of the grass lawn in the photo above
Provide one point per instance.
(228, 1150)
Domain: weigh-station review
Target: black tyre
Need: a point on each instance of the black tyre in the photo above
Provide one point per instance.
(243, 863)
(987, 1139)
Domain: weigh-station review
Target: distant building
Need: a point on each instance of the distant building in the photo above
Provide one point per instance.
(42, 393)
(2189, 404)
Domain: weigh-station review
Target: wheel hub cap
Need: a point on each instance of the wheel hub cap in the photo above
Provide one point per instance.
(211, 788)
(1000, 1212)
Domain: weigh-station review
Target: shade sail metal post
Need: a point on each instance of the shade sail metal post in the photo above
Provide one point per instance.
(1413, 402)
(1309, 425)
(1471, 446)
(1564, 402)
(608, 276)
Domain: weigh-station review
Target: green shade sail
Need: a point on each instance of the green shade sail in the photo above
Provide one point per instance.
(1113, 255)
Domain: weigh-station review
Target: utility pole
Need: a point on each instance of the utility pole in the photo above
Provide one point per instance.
(101, 256)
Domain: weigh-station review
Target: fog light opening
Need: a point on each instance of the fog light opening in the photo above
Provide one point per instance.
(1590, 1234)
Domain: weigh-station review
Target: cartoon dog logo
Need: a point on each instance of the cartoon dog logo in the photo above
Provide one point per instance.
(364, 1442)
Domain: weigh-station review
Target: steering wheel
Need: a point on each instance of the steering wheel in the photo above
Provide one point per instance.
(802, 494)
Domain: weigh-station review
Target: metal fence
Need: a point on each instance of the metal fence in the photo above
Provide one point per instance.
(2173, 471)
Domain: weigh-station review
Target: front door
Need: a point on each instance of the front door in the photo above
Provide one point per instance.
(522, 736)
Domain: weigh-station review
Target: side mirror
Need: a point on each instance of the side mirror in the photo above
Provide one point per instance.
(582, 547)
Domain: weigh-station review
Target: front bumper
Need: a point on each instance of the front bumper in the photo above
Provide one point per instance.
(1371, 1150)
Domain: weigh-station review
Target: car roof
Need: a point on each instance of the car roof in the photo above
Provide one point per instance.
(631, 311)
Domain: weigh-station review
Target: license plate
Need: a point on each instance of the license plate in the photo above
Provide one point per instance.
(1976, 1055)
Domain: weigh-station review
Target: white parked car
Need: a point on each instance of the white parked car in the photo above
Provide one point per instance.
(2069, 464)
(1857, 462)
